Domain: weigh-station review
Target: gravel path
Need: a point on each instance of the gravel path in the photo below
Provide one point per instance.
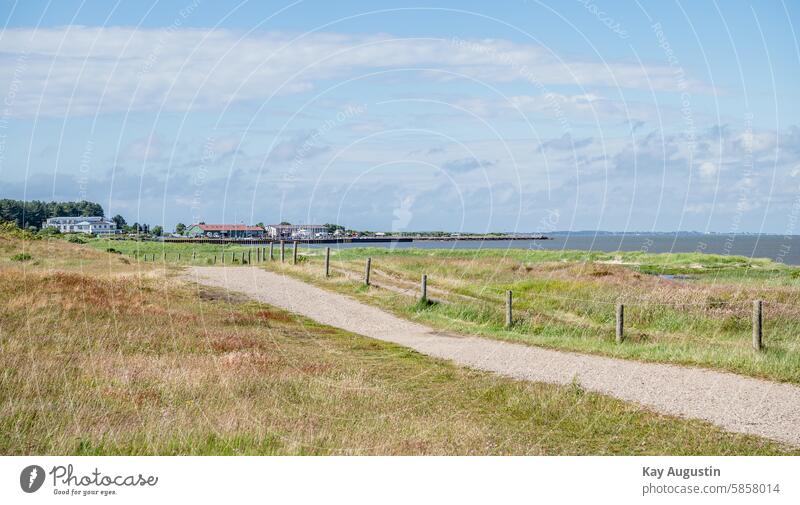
(733, 402)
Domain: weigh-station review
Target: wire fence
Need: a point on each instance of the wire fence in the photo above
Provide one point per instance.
(756, 306)
(620, 306)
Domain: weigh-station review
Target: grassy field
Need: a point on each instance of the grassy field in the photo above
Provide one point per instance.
(105, 355)
(566, 300)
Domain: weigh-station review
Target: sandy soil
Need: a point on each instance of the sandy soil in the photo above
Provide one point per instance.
(733, 402)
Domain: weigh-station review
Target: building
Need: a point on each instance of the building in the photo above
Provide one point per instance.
(97, 225)
(298, 231)
(224, 231)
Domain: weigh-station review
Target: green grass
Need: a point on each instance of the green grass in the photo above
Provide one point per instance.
(177, 254)
(566, 300)
(103, 356)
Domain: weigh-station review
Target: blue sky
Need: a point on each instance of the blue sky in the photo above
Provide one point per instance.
(472, 116)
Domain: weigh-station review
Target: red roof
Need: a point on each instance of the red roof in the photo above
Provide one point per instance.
(228, 227)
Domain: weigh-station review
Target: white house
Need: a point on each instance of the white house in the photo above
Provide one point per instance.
(298, 231)
(97, 225)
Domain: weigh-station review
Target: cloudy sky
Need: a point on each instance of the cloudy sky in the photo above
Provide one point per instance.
(473, 116)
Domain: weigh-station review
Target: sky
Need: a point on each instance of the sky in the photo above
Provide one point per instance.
(523, 116)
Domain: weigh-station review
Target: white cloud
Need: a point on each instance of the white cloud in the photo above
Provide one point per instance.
(757, 142)
(708, 169)
(566, 108)
(83, 70)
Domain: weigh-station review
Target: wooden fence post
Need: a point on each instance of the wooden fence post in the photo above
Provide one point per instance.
(249, 257)
(757, 313)
(294, 253)
(327, 262)
(620, 322)
(258, 255)
(366, 271)
(271, 256)
(283, 251)
(179, 257)
(424, 288)
(194, 255)
(509, 313)
(215, 259)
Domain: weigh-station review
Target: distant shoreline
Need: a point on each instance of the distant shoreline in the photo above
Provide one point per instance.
(353, 240)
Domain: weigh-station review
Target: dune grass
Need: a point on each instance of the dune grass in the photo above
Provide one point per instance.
(566, 300)
(105, 356)
(172, 254)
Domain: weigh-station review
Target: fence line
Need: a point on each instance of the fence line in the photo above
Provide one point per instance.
(634, 302)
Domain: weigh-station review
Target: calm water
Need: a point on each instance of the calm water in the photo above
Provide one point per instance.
(774, 247)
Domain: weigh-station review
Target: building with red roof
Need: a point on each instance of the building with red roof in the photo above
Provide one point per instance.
(224, 230)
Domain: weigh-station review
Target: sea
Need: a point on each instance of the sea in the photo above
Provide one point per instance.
(780, 248)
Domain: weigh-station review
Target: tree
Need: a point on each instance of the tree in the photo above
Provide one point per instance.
(331, 228)
(180, 228)
(158, 230)
(35, 212)
(286, 223)
(119, 221)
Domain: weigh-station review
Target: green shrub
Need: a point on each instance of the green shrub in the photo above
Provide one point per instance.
(76, 239)
(48, 231)
(10, 229)
(113, 251)
(21, 257)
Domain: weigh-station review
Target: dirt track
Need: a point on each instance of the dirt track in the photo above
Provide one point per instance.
(733, 402)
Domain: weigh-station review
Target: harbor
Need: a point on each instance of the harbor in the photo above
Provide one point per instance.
(350, 240)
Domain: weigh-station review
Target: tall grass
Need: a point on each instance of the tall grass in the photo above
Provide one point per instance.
(100, 356)
(567, 300)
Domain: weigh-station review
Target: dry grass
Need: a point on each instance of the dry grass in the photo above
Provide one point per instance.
(100, 357)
